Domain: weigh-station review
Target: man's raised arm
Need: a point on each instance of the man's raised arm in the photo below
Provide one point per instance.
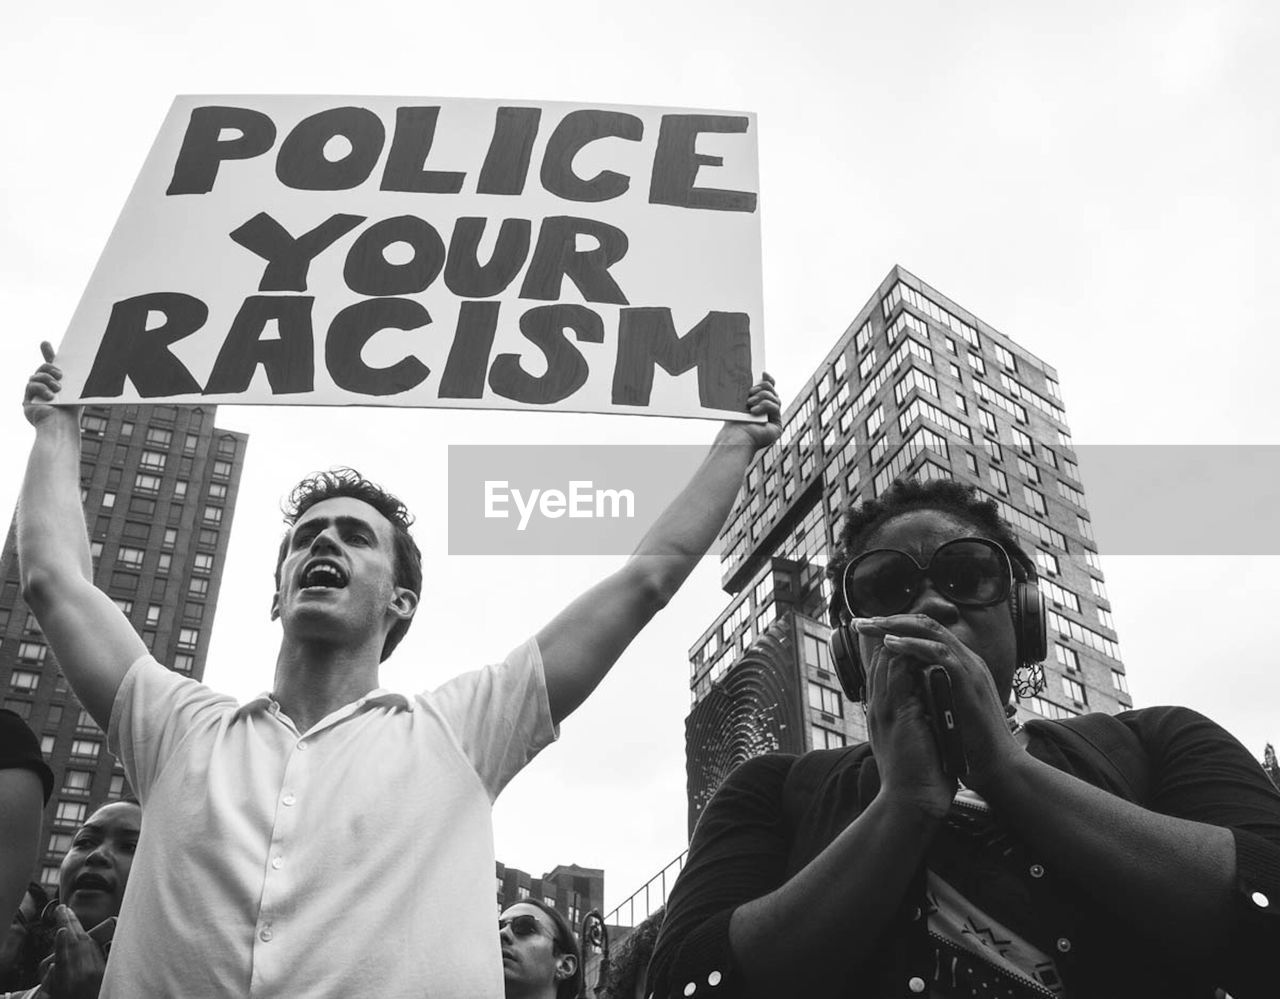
(581, 644)
(93, 641)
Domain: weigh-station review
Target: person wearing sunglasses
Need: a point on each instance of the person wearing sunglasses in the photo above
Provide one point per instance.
(1132, 856)
(540, 954)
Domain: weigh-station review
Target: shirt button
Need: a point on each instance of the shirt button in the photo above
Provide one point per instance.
(1260, 900)
(302, 743)
(289, 799)
(916, 984)
(1064, 944)
(277, 862)
(713, 979)
(265, 934)
(1037, 871)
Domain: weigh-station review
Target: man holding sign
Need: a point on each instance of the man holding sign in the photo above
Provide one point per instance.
(330, 838)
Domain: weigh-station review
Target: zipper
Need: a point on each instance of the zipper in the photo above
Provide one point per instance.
(1026, 983)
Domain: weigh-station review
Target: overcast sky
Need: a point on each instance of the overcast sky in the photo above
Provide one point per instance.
(1098, 182)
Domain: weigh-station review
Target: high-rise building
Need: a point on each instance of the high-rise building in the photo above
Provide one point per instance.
(158, 485)
(572, 890)
(916, 386)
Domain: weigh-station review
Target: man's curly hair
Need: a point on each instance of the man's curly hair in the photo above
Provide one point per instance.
(905, 495)
(347, 482)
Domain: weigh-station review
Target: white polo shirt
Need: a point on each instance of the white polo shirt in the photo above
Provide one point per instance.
(354, 859)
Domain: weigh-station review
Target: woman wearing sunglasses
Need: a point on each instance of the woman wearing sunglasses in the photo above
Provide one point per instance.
(540, 954)
(1134, 856)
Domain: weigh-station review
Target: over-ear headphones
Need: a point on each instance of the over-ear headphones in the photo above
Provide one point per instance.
(1030, 626)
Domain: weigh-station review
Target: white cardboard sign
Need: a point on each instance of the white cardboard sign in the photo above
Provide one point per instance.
(425, 252)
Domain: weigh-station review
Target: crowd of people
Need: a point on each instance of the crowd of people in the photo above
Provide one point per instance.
(332, 838)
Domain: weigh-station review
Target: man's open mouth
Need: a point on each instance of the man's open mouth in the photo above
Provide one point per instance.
(323, 575)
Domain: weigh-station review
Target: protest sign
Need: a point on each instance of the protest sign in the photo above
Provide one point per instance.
(425, 252)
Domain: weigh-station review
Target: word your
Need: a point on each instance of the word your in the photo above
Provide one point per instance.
(580, 502)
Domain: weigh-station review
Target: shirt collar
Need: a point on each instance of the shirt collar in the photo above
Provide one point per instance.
(381, 696)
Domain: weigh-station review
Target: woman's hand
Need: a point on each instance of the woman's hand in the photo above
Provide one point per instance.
(920, 641)
(905, 751)
(78, 963)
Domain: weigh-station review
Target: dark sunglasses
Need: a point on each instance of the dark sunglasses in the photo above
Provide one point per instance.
(524, 926)
(972, 572)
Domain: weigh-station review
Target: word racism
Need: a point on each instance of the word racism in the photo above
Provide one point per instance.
(475, 265)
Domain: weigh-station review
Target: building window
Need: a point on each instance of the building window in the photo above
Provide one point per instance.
(1119, 681)
(1073, 689)
(976, 362)
(217, 490)
(193, 612)
(59, 843)
(1028, 470)
(159, 437)
(971, 462)
(1067, 657)
(85, 748)
(135, 531)
(184, 663)
(146, 483)
(222, 469)
(1035, 501)
(180, 489)
(190, 443)
(824, 738)
(1022, 440)
(77, 780)
(91, 424)
(999, 480)
(152, 461)
(142, 506)
(987, 420)
(47, 743)
(816, 652)
(875, 421)
(32, 652)
(108, 501)
(825, 699)
(1004, 357)
(71, 812)
(198, 587)
(188, 638)
(1104, 617)
(131, 557)
(116, 787)
(1085, 528)
(85, 722)
(1047, 562)
(164, 563)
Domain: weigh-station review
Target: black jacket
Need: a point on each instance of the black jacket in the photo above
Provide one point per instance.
(776, 813)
